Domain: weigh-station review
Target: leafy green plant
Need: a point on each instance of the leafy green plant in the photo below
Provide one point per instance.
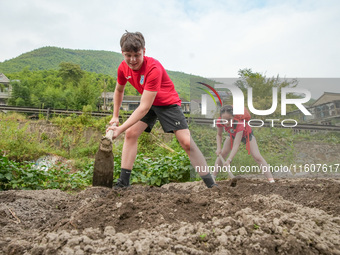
(24, 175)
(17, 175)
(157, 171)
(18, 143)
(256, 226)
(203, 236)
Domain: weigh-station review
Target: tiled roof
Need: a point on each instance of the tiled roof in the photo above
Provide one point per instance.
(3, 78)
(327, 97)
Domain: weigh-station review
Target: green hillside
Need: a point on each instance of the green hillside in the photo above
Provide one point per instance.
(103, 62)
(47, 58)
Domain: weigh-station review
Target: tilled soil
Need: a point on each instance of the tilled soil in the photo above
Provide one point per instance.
(292, 216)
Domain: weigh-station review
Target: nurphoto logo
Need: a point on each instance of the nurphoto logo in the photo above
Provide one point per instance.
(238, 99)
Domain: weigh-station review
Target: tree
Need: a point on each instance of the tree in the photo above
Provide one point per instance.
(22, 91)
(84, 95)
(19, 102)
(70, 72)
(35, 101)
(262, 88)
(50, 89)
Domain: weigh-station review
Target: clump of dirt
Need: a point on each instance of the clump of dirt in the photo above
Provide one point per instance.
(292, 216)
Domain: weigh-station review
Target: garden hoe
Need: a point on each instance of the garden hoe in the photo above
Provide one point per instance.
(103, 164)
(223, 163)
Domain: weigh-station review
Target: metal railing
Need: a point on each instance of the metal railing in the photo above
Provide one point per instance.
(203, 121)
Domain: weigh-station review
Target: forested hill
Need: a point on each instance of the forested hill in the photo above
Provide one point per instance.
(104, 62)
(47, 58)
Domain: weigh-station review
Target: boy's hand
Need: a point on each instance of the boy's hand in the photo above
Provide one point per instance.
(116, 131)
(114, 120)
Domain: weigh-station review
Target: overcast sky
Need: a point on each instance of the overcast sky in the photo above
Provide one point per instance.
(212, 38)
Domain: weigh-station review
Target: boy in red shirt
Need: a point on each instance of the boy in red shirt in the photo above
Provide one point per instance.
(159, 100)
(239, 132)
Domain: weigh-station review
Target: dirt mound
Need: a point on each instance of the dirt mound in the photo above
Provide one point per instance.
(292, 216)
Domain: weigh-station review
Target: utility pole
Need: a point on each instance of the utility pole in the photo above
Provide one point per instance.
(105, 86)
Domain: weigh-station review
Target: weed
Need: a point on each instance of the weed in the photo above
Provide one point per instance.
(203, 236)
(256, 226)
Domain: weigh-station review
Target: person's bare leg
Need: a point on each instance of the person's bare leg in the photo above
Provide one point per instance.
(195, 155)
(217, 165)
(254, 151)
(130, 144)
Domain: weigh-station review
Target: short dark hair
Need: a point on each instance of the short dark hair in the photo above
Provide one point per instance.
(132, 41)
(226, 108)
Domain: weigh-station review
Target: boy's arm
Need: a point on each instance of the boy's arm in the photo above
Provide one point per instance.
(146, 102)
(117, 99)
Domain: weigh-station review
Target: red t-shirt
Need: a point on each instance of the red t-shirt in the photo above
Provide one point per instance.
(151, 77)
(237, 127)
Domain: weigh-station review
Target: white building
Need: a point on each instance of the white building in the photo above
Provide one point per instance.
(5, 89)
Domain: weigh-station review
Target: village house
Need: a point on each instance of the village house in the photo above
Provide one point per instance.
(129, 103)
(5, 89)
(325, 110)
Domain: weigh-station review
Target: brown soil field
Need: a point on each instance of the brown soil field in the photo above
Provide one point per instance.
(252, 216)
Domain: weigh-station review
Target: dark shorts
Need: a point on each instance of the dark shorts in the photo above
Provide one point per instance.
(244, 139)
(171, 118)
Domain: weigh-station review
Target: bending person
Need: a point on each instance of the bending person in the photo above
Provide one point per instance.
(159, 101)
(239, 132)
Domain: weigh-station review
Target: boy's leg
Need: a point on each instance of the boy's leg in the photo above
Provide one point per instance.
(254, 151)
(130, 144)
(129, 152)
(195, 155)
(172, 119)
